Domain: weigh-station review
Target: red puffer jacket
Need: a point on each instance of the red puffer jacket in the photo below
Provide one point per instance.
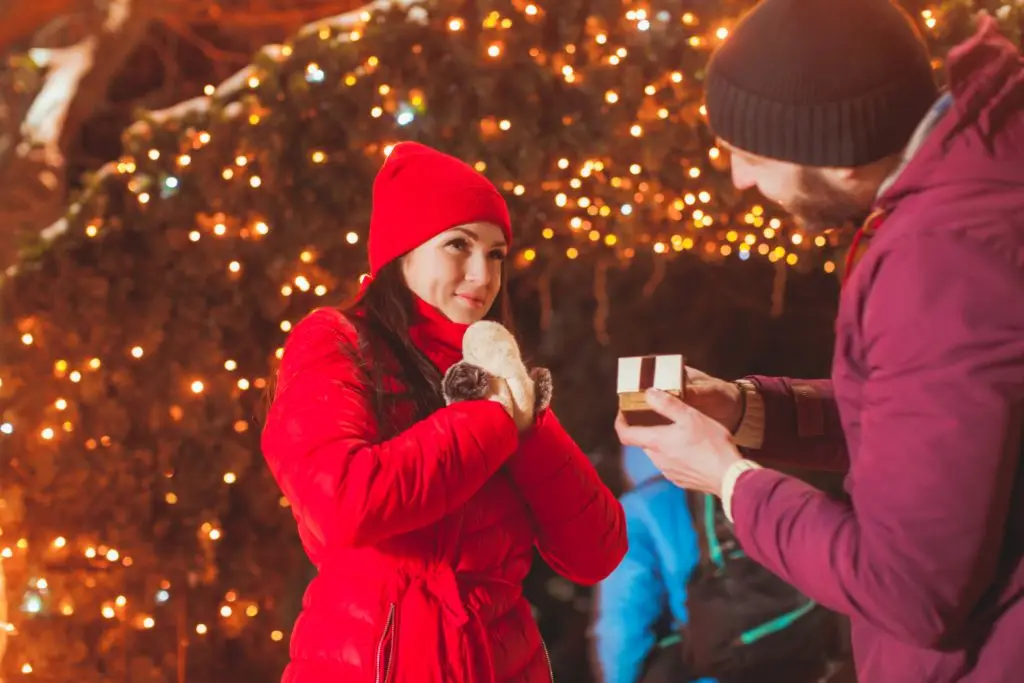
(422, 541)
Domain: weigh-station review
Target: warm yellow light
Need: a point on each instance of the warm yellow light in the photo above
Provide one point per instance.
(60, 542)
(230, 477)
(636, 130)
(197, 387)
(572, 252)
(455, 24)
(171, 498)
(27, 339)
(201, 629)
(108, 612)
(529, 254)
(252, 610)
(262, 228)
(112, 555)
(215, 534)
(47, 433)
(234, 266)
(494, 50)
(611, 97)
(255, 181)
(137, 352)
(276, 636)
(225, 611)
(148, 622)
(75, 376)
(318, 157)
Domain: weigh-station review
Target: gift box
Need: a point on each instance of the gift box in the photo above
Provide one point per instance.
(639, 373)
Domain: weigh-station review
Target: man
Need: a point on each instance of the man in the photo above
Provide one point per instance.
(828, 107)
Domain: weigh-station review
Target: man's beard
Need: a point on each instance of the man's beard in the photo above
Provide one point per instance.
(818, 206)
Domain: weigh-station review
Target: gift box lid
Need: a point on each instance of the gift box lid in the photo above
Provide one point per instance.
(639, 373)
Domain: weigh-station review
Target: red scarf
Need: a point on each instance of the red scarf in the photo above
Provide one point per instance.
(859, 244)
(436, 336)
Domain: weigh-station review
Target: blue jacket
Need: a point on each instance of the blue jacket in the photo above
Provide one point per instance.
(651, 580)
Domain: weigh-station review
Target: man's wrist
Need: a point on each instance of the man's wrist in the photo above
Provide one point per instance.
(730, 479)
(750, 431)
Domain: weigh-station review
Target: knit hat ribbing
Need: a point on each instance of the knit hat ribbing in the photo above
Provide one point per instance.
(820, 82)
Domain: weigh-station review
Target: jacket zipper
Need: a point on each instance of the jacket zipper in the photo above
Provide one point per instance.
(384, 668)
(547, 658)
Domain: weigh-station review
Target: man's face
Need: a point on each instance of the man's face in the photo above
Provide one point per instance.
(819, 198)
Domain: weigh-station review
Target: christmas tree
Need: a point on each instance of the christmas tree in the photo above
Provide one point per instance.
(143, 538)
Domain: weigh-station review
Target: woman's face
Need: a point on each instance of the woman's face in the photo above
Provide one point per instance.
(459, 271)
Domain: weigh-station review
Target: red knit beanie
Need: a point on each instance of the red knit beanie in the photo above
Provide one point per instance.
(419, 193)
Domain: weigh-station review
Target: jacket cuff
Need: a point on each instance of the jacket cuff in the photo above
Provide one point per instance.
(732, 476)
(750, 433)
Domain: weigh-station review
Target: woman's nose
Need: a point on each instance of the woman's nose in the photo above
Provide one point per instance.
(478, 269)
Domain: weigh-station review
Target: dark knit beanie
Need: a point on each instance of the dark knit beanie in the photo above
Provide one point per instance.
(820, 82)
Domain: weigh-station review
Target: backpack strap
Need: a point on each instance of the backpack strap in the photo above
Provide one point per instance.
(777, 624)
(769, 627)
(714, 545)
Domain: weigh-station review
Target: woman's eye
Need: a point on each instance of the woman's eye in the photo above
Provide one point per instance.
(498, 255)
(458, 243)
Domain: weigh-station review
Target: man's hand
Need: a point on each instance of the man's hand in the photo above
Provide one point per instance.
(720, 400)
(693, 452)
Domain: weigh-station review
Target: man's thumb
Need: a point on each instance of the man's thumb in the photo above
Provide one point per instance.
(667, 405)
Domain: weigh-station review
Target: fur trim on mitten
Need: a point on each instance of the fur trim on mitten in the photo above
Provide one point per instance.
(467, 382)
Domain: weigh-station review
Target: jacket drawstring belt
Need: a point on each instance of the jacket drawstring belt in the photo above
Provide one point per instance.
(438, 586)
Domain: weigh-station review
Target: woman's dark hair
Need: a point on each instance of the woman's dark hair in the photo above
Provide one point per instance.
(383, 316)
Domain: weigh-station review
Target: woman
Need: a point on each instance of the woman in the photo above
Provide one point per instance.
(421, 518)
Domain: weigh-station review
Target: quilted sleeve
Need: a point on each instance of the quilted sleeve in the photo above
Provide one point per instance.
(581, 528)
(346, 488)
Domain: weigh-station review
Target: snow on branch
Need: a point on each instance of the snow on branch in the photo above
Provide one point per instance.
(44, 121)
(65, 68)
(345, 22)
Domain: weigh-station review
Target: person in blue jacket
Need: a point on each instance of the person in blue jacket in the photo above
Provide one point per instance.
(642, 604)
